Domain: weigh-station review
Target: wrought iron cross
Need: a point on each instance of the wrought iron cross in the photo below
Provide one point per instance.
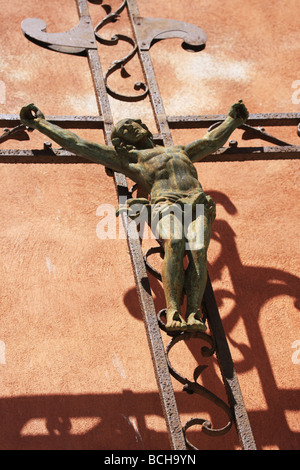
(82, 39)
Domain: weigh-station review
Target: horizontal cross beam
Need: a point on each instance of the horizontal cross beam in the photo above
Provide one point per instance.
(259, 119)
(224, 154)
(175, 122)
(231, 153)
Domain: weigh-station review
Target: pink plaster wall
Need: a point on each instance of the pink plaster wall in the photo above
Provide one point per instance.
(75, 367)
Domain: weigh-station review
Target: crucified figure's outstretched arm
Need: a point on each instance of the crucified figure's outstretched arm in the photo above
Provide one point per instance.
(216, 138)
(32, 117)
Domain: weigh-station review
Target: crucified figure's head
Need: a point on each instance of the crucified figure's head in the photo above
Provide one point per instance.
(128, 134)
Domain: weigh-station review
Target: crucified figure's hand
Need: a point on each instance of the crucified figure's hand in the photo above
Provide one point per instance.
(239, 112)
(30, 115)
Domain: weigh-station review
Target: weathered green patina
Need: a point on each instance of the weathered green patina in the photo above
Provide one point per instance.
(169, 175)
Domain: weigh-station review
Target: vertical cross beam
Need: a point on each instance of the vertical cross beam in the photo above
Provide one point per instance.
(155, 97)
(156, 347)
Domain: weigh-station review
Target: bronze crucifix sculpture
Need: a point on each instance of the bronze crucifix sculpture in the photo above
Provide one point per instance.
(169, 175)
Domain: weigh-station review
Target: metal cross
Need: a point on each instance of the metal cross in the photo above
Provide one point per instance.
(82, 39)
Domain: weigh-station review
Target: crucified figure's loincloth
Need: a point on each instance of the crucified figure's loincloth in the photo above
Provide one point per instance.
(161, 205)
(188, 201)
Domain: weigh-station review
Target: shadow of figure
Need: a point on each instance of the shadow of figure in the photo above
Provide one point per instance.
(81, 422)
(121, 421)
(252, 287)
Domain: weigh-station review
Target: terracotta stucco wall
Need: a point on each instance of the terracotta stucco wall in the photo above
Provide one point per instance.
(75, 367)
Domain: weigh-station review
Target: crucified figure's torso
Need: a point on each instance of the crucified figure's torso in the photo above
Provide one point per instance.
(169, 175)
(168, 169)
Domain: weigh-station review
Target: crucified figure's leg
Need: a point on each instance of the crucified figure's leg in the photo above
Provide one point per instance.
(198, 235)
(170, 231)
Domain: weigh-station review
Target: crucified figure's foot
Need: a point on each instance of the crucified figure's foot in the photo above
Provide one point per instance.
(175, 322)
(194, 322)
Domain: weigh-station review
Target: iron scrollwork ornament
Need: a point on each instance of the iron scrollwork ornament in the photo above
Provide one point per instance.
(84, 37)
(194, 387)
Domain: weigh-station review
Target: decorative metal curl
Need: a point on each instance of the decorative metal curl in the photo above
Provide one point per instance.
(112, 17)
(194, 387)
(207, 429)
(120, 64)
